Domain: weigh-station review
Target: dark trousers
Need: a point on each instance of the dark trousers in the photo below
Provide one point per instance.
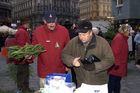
(73, 76)
(114, 84)
(23, 77)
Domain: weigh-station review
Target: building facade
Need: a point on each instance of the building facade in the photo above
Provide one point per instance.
(95, 9)
(35, 9)
(5, 9)
(126, 11)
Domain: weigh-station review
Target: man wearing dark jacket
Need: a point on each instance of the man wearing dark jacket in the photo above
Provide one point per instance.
(77, 52)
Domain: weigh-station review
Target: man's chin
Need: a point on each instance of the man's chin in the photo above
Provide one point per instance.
(51, 29)
(84, 42)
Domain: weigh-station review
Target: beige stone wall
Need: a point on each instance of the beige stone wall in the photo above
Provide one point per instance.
(95, 9)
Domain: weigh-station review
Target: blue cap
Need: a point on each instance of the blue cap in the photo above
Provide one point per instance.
(50, 17)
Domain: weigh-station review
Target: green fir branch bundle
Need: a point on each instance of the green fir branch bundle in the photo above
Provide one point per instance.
(17, 52)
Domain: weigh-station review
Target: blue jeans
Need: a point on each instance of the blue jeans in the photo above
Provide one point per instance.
(114, 84)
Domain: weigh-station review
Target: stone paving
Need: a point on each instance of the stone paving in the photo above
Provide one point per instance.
(130, 84)
(6, 83)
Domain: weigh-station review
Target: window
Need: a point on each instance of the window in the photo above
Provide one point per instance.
(119, 10)
(119, 3)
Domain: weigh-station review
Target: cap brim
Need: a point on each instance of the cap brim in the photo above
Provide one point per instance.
(50, 20)
(81, 31)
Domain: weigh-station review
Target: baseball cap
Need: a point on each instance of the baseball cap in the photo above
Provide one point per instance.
(50, 16)
(84, 26)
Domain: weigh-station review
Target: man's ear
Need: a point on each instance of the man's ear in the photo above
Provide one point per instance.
(91, 32)
(45, 22)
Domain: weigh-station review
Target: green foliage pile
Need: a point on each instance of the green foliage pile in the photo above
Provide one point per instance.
(17, 52)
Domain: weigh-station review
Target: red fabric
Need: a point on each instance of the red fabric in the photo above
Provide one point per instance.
(22, 38)
(10, 41)
(120, 50)
(53, 41)
(4, 52)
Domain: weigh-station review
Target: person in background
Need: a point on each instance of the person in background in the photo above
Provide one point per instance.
(10, 41)
(86, 46)
(97, 31)
(5, 29)
(119, 47)
(100, 33)
(71, 29)
(22, 38)
(53, 37)
(137, 41)
(130, 44)
(3, 49)
(133, 43)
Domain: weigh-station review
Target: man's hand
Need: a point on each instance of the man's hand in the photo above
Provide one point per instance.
(67, 69)
(76, 62)
(28, 57)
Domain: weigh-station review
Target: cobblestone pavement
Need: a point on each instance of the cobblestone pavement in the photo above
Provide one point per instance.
(6, 83)
(130, 84)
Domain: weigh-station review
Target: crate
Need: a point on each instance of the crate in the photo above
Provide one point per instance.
(68, 76)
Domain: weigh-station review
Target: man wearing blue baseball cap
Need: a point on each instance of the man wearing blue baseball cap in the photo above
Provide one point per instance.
(50, 20)
(53, 37)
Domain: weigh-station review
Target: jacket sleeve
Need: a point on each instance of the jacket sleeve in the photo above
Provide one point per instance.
(67, 56)
(116, 46)
(107, 58)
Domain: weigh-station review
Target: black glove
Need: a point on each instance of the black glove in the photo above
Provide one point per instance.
(90, 59)
(88, 62)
